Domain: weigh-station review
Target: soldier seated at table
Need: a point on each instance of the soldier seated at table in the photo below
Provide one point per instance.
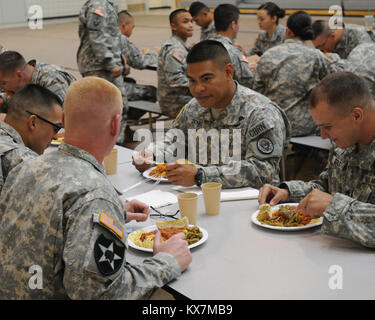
(204, 18)
(136, 59)
(341, 105)
(248, 132)
(341, 40)
(61, 217)
(15, 73)
(361, 61)
(227, 24)
(173, 85)
(32, 121)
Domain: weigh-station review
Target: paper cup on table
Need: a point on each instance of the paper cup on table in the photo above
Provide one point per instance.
(188, 204)
(110, 162)
(211, 195)
(369, 22)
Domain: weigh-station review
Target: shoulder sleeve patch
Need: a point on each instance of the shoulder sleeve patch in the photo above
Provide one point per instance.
(178, 56)
(109, 223)
(99, 12)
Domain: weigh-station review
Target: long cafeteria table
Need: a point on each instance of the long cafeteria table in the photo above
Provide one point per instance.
(241, 260)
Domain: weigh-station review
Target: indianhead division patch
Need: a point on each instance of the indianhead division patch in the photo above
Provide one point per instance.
(265, 145)
(108, 255)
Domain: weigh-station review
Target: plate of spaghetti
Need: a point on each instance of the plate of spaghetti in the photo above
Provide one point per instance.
(159, 172)
(284, 217)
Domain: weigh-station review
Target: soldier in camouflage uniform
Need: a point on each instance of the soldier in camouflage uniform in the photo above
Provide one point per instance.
(273, 33)
(251, 131)
(344, 110)
(23, 135)
(342, 40)
(361, 61)
(136, 59)
(69, 220)
(16, 73)
(204, 18)
(173, 85)
(227, 26)
(99, 53)
(288, 72)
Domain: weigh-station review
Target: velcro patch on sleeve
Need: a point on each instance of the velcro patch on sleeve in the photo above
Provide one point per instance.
(99, 12)
(258, 129)
(178, 56)
(110, 223)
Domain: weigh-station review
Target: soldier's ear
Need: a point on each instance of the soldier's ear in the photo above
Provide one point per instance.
(31, 123)
(229, 70)
(115, 124)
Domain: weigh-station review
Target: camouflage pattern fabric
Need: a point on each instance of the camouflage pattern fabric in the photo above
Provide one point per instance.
(350, 219)
(353, 36)
(349, 171)
(100, 48)
(70, 226)
(242, 72)
(361, 61)
(208, 32)
(51, 77)
(287, 73)
(173, 85)
(246, 140)
(263, 42)
(12, 151)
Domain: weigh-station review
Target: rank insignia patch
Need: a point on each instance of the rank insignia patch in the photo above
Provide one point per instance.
(265, 145)
(108, 255)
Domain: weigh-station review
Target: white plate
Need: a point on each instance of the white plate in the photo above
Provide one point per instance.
(152, 228)
(146, 174)
(55, 143)
(308, 226)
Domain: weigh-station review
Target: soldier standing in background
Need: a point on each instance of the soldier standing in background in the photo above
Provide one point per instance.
(99, 53)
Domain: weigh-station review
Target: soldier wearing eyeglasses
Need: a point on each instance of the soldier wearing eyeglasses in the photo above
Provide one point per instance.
(33, 120)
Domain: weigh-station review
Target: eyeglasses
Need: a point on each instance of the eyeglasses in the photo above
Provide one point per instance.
(164, 215)
(56, 126)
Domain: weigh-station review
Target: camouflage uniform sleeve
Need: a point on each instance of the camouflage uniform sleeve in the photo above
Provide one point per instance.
(242, 72)
(100, 41)
(175, 68)
(329, 65)
(299, 189)
(265, 139)
(94, 255)
(348, 218)
(135, 58)
(259, 84)
(258, 48)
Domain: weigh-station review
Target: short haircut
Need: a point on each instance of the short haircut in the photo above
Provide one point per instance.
(34, 98)
(300, 24)
(124, 16)
(273, 10)
(343, 91)
(321, 28)
(10, 61)
(196, 8)
(174, 14)
(224, 14)
(209, 50)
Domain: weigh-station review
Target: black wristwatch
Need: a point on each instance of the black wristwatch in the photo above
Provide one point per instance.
(199, 177)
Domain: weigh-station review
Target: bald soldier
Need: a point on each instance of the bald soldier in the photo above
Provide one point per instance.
(235, 135)
(69, 220)
(342, 107)
(33, 120)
